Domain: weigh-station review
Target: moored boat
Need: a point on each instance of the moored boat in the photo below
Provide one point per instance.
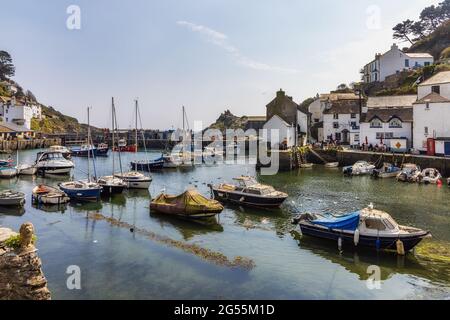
(410, 173)
(387, 171)
(53, 162)
(81, 190)
(12, 198)
(331, 164)
(8, 172)
(150, 165)
(249, 192)
(123, 147)
(63, 150)
(49, 195)
(135, 180)
(190, 204)
(359, 168)
(169, 162)
(26, 170)
(367, 228)
(430, 176)
(111, 185)
(306, 165)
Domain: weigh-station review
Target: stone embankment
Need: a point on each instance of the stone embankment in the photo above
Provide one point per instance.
(21, 276)
(13, 145)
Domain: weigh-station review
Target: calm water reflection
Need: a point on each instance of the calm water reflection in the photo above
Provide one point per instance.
(117, 263)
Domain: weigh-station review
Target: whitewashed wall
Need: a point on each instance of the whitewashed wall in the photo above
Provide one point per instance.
(285, 131)
(436, 119)
(371, 133)
(423, 91)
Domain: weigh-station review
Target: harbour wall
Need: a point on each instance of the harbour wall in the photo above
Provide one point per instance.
(13, 145)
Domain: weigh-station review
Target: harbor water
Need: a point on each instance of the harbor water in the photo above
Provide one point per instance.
(118, 262)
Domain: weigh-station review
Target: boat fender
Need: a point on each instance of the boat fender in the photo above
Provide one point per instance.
(400, 247)
(378, 244)
(242, 199)
(356, 237)
(340, 244)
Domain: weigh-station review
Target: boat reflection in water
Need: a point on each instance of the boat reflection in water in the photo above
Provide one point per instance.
(358, 262)
(61, 208)
(12, 211)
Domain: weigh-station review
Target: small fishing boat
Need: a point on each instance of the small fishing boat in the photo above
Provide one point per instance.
(53, 162)
(331, 164)
(249, 192)
(190, 204)
(169, 162)
(135, 180)
(306, 165)
(430, 176)
(63, 150)
(26, 170)
(387, 171)
(149, 165)
(82, 190)
(123, 147)
(410, 173)
(8, 172)
(112, 185)
(48, 195)
(367, 228)
(359, 168)
(12, 198)
(102, 150)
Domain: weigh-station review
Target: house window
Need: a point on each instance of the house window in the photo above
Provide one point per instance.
(353, 125)
(376, 76)
(375, 123)
(426, 131)
(389, 135)
(436, 89)
(380, 135)
(427, 106)
(336, 116)
(356, 137)
(336, 125)
(353, 115)
(338, 136)
(426, 64)
(406, 63)
(395, 123)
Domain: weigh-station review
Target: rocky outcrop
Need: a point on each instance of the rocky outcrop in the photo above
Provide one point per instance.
(21, 276)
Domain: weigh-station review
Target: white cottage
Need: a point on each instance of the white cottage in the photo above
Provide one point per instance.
(388, 121)
(341, 118)
(432, 116)
(16, 113)
(392, 62)
(286, 132)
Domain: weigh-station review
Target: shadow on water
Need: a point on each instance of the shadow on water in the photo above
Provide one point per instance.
(119, 200)
(358, 261)
(12, 211)
(137, 194)
(51, 208)
(85, 207)
(186, 227)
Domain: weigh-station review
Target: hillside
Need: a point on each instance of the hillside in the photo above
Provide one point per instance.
(54, 121)
(227, 120)
(435, 43)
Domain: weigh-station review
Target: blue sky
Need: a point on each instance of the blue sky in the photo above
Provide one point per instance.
(207, 55)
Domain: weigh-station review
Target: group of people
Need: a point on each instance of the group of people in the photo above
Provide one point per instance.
(375, 148)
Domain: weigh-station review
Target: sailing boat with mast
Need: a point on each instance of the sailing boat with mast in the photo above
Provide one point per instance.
(83, 190)
(186, 155)
(112, 184)
(135, 179)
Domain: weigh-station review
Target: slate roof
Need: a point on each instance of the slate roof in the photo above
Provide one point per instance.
(441, 77)
(391, 101)
(343, 107)
(432, 98)
(386, 114)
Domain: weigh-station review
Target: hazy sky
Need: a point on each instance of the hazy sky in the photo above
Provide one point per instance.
(208, 55)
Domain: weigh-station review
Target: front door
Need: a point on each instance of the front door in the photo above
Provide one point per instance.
(447, 148)
(345, 137)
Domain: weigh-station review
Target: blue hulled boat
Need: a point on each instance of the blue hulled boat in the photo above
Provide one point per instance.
(149, 165)
(367, 228)
(81, 190)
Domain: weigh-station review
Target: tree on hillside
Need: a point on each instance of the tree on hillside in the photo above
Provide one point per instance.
(7, 68)
(31, 96)
(445, 9)
(403, 30)
(431, 17)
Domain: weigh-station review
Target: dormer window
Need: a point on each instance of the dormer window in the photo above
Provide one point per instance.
(395, 123)
(376, 123)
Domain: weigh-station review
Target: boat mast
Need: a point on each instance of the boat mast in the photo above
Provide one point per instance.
(136, 133)
(89, 145)
(112, 126)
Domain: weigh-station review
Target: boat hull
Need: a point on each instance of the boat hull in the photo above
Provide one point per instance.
(247, 200)
(112, 189)
(175, 211)
(18, 202)
(54, 170)
(82, 194)
(30, 171)
(386, 243)
(152, 165)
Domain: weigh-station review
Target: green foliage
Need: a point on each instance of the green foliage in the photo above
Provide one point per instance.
(445, 54)
(7, 68)
(14, 241)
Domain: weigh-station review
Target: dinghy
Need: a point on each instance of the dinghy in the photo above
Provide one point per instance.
(387, 171)
(9, 198)
(48, 195)
(410, 173)
(306, 165)
(8, 172)
(26, 170)
(430, 176)
(331, 164)
(367, 228)
(359, 168)
(190, 204)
